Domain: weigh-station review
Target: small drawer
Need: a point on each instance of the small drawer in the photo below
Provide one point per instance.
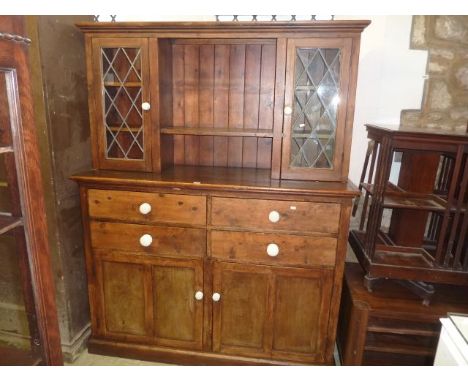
(145, 207)
(273, 248)
(275, 215)
(156, 240)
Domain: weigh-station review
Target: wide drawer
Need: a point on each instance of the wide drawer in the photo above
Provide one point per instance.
(273, 249)
(143, 238)
(133, 207)
(275, 215)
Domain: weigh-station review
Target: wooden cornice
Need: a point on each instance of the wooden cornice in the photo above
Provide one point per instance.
(221, 27)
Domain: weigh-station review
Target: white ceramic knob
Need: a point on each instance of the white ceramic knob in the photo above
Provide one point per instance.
(199, 295)
(288, 110)
(272, 249)
(145, 106)
(216, 296)
(274, 216)
(145, 208)
(146, 240)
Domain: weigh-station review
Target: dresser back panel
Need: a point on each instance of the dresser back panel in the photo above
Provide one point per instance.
(223, 84)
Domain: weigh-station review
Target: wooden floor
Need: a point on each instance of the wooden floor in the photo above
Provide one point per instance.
(15, 357)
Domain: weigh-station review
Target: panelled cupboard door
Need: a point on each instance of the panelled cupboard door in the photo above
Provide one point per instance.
(124, 299)
(121, 122)
(271, 312)
(300, 313)
(316, 95)
(242, 313)
(151, 300)
(178, 303)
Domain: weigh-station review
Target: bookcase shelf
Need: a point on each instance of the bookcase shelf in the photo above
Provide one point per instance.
(6, 149)
(8, 223)
(17, 357)
(395, 197)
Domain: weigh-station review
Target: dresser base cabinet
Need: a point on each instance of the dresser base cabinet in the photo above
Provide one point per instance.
(174, 277)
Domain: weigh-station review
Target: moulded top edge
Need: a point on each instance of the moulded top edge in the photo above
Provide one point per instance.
(226, 26)
(234, 179)
(399, 130)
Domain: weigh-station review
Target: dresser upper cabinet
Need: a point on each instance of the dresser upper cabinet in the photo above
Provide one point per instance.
(275, 96)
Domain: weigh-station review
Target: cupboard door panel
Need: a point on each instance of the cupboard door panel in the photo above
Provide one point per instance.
(151, 300)
(124, 305)
(177, 314)
(241, 315)
(301, 310)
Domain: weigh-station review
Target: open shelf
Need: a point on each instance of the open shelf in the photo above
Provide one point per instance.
(217, 132)
(8, 223)
(17, 357)
(395, 197)
(388, 343)
(403, 256)
(395, 326)
(400, 262)
(6, 149)
(395, 255)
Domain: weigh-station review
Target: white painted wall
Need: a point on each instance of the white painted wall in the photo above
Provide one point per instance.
(390, 75)
(390, 78)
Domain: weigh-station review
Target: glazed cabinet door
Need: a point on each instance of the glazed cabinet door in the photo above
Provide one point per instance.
(119, 83)
(154, 300)
(315, 113)
(301, 313)
(241, 309)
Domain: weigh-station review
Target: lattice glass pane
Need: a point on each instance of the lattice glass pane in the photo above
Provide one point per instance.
(122, 88)
(316, 99)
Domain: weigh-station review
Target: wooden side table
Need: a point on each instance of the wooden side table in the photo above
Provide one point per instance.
(390, 326)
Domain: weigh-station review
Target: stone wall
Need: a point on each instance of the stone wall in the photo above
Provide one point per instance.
(445, 99)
